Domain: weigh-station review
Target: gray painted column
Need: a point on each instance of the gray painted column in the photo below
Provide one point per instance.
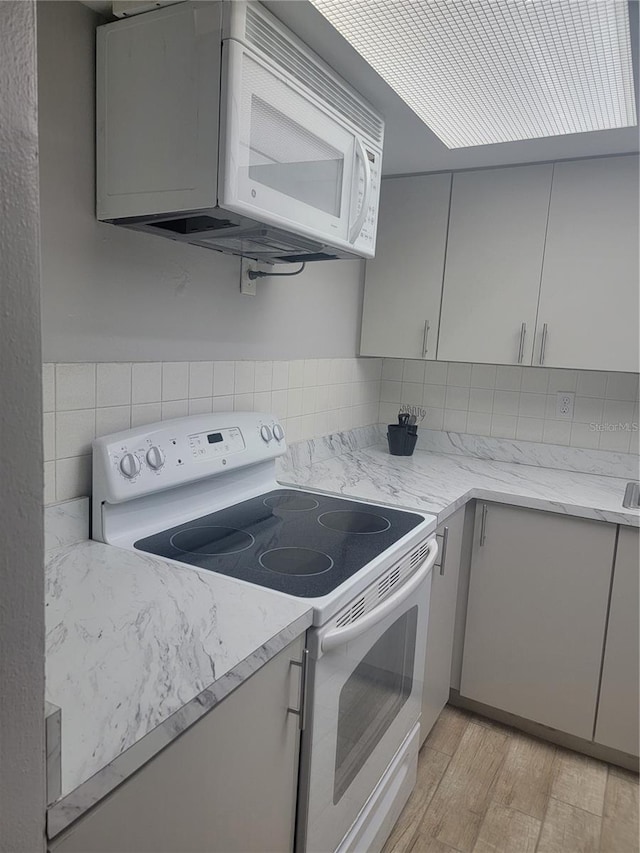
(22, 787)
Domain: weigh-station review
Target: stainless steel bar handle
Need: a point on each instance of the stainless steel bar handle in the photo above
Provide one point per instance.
(425, 338)
(483, 525)
(523, 332)
(443, 553)
(543, 343)
(301, 710)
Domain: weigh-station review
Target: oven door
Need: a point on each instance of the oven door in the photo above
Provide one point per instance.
(285, 161)
(365, 693)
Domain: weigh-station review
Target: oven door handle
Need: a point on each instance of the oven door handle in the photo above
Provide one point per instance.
(340, 636)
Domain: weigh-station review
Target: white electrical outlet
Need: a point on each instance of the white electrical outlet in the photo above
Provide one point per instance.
(564, 405)
(247, 285)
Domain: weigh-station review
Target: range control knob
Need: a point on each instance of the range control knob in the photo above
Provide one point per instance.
(130, 465)
(278, 432)
(266, 433)
(155, 458)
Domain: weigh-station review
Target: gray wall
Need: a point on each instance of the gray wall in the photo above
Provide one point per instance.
(109, 294)
(21, 535)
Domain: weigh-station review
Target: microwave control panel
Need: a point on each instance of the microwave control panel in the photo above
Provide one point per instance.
(367, 236)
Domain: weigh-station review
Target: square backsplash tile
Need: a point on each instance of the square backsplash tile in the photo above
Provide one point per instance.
(318, 396)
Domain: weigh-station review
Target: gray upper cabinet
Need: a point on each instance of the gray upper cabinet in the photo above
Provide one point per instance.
(590, 291)
(617, 724)
(227, 785)
(493, 265)
(541, 267)
(403, 284)
(536, 615)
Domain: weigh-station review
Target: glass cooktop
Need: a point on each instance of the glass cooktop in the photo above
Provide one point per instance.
(293, 541)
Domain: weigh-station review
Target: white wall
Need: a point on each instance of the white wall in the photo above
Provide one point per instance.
(113, 295)
(21, 534)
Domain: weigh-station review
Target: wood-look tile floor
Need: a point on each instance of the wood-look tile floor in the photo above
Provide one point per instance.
(486, 788)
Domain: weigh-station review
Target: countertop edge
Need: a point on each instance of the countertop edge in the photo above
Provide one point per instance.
(593, 513)
(542, 504)
(61, 814)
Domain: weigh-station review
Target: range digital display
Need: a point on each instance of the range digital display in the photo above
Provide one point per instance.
(214, 437)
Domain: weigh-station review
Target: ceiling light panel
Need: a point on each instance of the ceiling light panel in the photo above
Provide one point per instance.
(479, 72)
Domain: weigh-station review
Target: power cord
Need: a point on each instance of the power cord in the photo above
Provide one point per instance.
(253, 274)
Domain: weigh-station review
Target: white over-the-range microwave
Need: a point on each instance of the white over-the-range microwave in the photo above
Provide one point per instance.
(216, 126)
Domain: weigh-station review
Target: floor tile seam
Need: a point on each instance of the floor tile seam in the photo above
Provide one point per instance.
(575, 806)
(435, 790)
(542, 823)
(508, 808)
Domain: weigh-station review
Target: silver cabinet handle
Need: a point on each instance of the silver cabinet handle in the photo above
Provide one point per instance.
(425, 338)
(483, 525)
(523, 332)
(543, 343)
(301, 710)
(443, 553)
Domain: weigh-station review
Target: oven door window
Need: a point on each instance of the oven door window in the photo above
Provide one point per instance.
(372, 697)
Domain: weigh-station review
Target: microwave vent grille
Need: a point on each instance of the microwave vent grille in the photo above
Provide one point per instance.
(262, 35)
(379, 590)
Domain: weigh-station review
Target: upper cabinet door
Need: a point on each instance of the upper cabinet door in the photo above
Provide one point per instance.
(494, 263)
(589, 294)
(403, 284)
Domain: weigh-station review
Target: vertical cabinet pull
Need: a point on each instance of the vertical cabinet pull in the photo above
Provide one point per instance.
(425, 338)
(443, 551)
(301, 710)
(483, 525)
(523, 332)
(543, 343)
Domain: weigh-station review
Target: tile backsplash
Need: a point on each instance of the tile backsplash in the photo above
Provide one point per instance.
(516, 402)
(315, 397)
(312, 397)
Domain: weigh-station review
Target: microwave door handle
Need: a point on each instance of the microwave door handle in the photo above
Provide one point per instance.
(340, 636)
(356, 228)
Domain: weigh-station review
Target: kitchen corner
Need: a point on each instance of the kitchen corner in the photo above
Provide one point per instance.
(113, 615)
(243, 609)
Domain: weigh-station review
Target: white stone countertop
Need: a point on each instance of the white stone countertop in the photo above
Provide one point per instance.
(440, 484)
(137, 650)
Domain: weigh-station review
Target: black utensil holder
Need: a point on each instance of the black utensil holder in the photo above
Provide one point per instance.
(402, 439)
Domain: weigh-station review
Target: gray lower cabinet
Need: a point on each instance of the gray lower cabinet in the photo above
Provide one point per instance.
(617, 724)
(440, 631)
(227, 784)
(536, 616)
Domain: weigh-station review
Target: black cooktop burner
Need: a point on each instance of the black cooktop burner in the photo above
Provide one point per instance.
(293, 541)
(296, 561)
(347, 521)
(211, 541)
(291, 502)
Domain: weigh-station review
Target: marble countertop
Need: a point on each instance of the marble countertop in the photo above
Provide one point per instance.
(440, 484)
(137, 650)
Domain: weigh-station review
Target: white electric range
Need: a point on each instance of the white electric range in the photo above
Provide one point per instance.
(202, 491)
